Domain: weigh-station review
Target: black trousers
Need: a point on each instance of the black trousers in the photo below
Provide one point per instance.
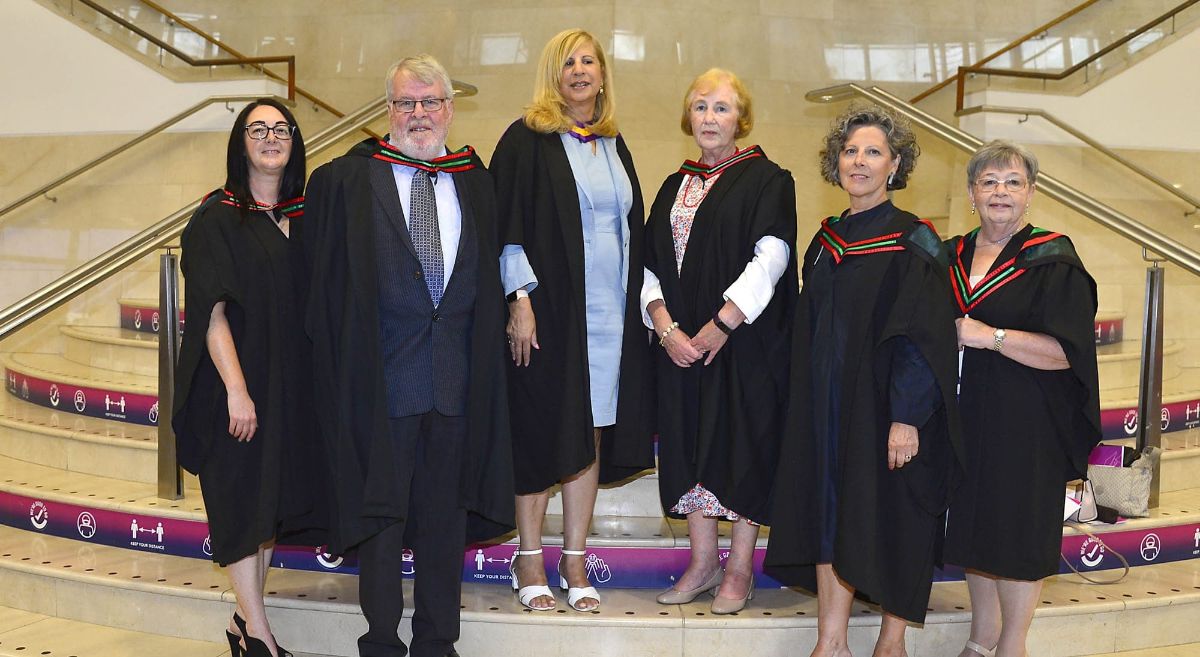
(428, 453)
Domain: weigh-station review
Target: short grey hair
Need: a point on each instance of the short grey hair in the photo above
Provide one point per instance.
(999, 153)
(422, 67)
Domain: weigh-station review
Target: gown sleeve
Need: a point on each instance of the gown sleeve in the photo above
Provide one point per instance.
(512, 168)
(1067, 311)
(208, 268)
(913, 390)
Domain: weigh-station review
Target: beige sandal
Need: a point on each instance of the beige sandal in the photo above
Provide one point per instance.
(978, 649)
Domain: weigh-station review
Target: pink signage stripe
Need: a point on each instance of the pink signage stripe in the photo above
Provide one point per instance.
(619, 567)
(1175, 416)
(83, 400)
(144, 318)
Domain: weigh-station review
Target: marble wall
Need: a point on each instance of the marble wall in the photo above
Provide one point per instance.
(782, 48)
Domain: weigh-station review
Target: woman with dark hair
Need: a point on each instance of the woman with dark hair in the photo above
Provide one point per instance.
(570, 213)
(241, 396)
(870, 447)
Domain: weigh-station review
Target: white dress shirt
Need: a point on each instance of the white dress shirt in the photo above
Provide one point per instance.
(752, 290)
(449, 214)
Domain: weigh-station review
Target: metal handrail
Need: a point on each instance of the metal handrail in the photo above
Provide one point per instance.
(960, 92)
(70, 285)
(76, 172)
(1125, 226)
(1037, 31)
(257, 62)
(1074, 132)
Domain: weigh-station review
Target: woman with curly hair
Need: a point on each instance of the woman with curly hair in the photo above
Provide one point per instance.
(870, 446)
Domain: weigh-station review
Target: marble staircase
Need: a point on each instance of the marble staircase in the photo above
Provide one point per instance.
(62, 458)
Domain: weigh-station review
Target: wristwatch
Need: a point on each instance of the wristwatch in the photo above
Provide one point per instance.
(998, 340)
(724, 328)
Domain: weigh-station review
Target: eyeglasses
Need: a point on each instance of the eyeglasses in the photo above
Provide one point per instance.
(259, 130)
(1011, 184)
(408, 106)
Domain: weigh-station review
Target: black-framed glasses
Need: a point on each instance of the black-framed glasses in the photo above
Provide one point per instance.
(408, 105)
(259, 130)
(1011, 184)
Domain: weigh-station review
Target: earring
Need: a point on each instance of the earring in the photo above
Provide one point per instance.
(601, 88)
(972, 208)
(891, 177)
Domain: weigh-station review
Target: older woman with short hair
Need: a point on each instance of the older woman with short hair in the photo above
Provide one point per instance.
(1028, 396)
(720, 287)
(870, 445)
(570, 214)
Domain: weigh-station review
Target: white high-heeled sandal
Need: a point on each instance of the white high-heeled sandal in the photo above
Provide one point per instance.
(527, 594)
(975, 647)
(576, 593)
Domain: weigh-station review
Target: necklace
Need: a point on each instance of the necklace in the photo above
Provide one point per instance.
(979, 242)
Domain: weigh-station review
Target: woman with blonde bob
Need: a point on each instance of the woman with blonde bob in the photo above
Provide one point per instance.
(719, 290)
(570, 215)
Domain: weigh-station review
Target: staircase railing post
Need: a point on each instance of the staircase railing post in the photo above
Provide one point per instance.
(1150, 388)
(170, 479)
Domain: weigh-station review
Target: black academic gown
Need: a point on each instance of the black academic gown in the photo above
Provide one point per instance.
(550, 400)
(1026, 431)
(720, 424)
(337, 233)
(833, 484)
(258, 489)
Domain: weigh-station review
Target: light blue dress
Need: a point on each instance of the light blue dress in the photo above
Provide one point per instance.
(605, 198)
(605, 266)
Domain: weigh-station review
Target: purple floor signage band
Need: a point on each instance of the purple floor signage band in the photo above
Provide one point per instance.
(82, 400)
(1110, 331)
(617, 567)
(143, 319)
(1175, 416)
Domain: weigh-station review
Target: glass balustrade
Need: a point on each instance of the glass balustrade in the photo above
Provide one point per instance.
(1084, 36)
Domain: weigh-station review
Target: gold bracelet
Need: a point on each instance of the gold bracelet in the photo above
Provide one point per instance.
(663, 340)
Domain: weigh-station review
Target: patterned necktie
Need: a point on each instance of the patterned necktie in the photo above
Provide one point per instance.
(426, 237)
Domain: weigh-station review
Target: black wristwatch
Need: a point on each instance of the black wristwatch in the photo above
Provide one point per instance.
(511, 296)
(725, 328)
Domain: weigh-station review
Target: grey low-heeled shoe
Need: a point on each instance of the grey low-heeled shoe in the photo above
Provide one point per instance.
(722, 606)
(673, 596)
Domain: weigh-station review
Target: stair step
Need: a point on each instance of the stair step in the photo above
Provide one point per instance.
(23, 633)
(54, 382)
(318, 612)
(141, 314)
(77, 443)
(1120, 364)
(1180, 406)
(111, 349)
(628, 551)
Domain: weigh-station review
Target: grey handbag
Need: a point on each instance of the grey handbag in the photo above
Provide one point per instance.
(1126, 489)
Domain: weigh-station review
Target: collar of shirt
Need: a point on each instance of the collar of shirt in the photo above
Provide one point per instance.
(449, 213)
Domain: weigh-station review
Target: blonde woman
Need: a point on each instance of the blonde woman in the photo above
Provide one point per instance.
(570, 216)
